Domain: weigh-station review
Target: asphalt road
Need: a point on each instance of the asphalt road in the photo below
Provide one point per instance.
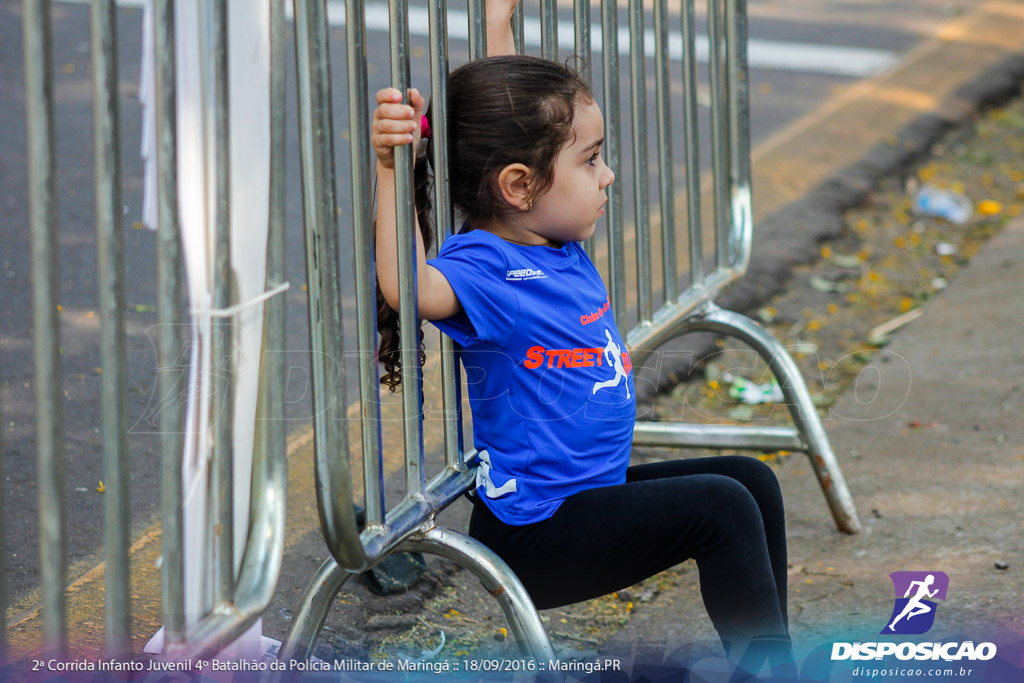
(822, 41)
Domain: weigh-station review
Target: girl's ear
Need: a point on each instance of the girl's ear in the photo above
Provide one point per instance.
(514, 183)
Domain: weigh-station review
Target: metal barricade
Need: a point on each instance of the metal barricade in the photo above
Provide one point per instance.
(410, 525)
(694, 309)
(241, 596)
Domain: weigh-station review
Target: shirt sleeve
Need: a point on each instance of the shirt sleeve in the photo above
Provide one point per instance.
(476, 272)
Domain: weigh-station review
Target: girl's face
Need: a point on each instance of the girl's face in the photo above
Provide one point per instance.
(571, 206)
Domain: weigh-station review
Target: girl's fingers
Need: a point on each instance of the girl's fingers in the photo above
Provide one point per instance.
(388, 95)
(395, 111)
(395, 123)
(395, 126)
(391, 139)
(382, 140)
(418, 102)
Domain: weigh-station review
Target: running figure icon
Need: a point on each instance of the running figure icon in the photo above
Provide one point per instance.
(914, 606)
(613, 356)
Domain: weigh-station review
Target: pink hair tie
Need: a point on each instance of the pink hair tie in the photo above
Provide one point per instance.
(424, 127)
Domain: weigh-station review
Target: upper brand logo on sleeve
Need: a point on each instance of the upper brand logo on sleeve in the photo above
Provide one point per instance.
(518, 274)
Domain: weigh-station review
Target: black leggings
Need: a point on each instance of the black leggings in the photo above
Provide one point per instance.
(725, 512)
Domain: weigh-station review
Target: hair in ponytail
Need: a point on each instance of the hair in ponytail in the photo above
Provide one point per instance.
(501, 110)
(390, 348)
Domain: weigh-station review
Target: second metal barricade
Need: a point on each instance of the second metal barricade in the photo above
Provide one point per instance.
(658, 313)
(246, 572)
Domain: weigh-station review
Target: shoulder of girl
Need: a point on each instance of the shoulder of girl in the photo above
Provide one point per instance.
(477, 244)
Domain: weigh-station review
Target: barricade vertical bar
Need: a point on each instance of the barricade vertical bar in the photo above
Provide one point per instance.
(407, 277)
(110, 277)
(277, 240)
(719, 122)
(316, 151)
(691, 135)
(3, 542)
(366, 303)
(549, 29)
(170, 281)
(45, 321)
(581, 22)
(444, 218)
(271, 442)
(638, 92)
(666, 164)
(741, 234)
(273, 447)
(517, 29)
(362, 219)
(223, 327)
(477, 30)
(616, 237)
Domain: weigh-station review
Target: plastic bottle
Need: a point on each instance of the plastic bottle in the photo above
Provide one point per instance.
(951, 205)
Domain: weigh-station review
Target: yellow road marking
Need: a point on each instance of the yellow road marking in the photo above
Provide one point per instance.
(85, 594)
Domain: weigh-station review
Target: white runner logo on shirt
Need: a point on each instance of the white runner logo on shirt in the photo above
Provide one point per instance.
(613, 356)
(483, 478)
(524, 274)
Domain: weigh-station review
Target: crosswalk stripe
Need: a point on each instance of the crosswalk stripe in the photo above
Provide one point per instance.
(835, 60)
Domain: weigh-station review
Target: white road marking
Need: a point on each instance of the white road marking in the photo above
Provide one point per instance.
(831, 60)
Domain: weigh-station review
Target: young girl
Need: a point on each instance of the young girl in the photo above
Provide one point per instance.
(549, 378)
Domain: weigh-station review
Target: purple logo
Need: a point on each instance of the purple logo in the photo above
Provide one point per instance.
(914, 611)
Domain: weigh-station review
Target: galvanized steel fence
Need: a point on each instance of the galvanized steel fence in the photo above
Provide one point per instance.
(660, 312)
(239, 597)
(410, 525)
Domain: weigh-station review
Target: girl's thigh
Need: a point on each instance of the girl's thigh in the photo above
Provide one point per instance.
(608, 538)
(756, 477)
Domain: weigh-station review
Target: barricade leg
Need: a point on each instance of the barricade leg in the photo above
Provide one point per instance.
(811, 437)
(492, 571)
(312, 612)
(497, 578)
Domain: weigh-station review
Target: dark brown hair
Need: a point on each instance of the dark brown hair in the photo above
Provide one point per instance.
(501, 111)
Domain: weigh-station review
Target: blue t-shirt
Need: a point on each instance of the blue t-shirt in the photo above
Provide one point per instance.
(549, 378)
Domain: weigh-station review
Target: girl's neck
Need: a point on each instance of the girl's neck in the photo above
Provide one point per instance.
(514, 232)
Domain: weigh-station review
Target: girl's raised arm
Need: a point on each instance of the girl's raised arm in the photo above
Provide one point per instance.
(499, 27)
(396, 124)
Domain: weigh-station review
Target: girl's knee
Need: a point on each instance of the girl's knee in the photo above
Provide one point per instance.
(756, 476)
(735, 503)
